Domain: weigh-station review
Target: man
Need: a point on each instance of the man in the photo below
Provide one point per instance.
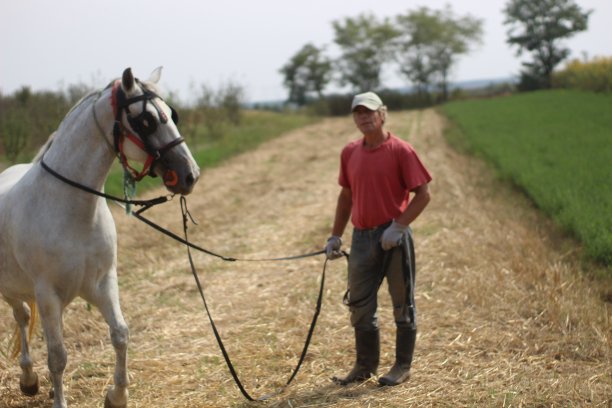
(384, 189)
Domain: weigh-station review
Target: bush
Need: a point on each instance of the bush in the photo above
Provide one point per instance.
(594, 75)
(531, 81)
(320, 107)
(215, 109)
(27, 119)
(15, 130)
(340, 104)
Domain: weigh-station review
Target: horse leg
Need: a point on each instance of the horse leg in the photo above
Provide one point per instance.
(108, 303)
(28, 381)
(50, 308)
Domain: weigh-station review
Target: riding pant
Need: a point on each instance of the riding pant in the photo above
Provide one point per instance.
(368, 266)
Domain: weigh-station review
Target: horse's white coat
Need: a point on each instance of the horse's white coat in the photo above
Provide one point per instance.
(57, 242)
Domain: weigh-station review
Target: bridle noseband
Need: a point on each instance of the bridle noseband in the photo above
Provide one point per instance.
(144, 125)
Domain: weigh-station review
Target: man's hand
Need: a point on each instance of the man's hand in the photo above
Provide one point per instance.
(332, 248)
(392, 236)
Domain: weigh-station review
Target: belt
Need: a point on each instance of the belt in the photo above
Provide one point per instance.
(385, 225)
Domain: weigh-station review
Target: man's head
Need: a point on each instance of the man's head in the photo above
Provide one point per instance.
(367, 104)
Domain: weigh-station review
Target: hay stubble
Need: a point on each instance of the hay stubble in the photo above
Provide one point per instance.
(505, 318)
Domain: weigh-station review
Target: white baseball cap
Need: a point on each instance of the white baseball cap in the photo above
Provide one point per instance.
(368, 99)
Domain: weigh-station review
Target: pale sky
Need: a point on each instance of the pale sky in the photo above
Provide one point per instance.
(48, 45)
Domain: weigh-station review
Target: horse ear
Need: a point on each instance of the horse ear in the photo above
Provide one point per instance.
(127, 80)
(155, 75)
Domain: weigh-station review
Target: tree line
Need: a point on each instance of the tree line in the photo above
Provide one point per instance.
(425, 44)
(27, 118)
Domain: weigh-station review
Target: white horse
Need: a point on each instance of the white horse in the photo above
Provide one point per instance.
(58, 242)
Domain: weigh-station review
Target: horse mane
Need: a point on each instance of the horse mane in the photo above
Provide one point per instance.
(43, 149)
(41, 152)
(47, 145)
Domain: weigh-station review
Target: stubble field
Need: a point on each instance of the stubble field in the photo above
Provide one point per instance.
(505, 317)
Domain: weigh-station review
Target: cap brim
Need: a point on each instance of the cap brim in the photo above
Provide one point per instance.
(370, 106)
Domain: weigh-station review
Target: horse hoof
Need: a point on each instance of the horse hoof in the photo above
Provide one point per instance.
(109, 404)
(30, 390)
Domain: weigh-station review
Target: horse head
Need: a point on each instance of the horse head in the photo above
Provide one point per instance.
(146, 131)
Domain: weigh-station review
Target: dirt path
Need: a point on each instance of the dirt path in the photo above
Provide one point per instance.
(504, 317)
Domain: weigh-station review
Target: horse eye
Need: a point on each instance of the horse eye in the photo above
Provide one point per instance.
(175, 117)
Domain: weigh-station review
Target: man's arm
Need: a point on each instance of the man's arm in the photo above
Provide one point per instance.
(416, 206)
(392, 235)
(343, 211)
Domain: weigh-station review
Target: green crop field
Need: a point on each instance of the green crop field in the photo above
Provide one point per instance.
(556, 146)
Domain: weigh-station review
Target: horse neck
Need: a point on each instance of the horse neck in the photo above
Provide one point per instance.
(79, 151)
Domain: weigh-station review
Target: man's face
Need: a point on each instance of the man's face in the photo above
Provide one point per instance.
(368, 121)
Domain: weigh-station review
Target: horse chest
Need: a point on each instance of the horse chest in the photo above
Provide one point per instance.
(59, 240)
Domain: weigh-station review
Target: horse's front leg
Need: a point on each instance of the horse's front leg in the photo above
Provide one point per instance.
(28, 381)
(107, 300)
(51, 310)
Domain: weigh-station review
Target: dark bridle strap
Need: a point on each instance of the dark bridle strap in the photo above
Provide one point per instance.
(120, 103)
(162, 150)
(230, 366)
(143, 203)
(146, 204)
(170, 234)
(186, 216)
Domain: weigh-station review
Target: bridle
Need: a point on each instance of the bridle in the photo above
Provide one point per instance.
(142, 125)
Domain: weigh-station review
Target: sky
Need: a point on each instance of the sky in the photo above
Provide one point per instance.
(48, 45)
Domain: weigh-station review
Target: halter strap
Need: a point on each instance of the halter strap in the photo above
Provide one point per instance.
(120, 103)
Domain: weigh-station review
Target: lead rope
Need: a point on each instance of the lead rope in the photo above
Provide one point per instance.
(186, 218)
(146, 204)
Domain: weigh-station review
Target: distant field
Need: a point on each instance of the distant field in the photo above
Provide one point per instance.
(557, 147)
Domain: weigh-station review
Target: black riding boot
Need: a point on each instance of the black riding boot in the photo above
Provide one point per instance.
(404, 349)
(367, 345)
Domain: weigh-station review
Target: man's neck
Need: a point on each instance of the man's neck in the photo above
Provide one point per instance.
(373, 140)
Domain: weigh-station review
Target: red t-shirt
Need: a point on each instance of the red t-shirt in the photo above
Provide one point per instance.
(380, 180)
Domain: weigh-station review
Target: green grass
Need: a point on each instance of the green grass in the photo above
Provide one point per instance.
(256, 127)
(556, 146)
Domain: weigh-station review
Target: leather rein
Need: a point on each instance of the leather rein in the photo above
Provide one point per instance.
(119, 134)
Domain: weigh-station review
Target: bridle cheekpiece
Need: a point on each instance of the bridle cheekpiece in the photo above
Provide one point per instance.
(144, 125)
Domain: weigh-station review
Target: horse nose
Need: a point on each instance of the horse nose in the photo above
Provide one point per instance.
(191, 178)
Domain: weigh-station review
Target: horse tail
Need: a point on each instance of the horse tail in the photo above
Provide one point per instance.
(16, 348)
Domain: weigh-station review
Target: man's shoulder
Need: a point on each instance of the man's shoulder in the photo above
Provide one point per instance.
(399, 143)
(351, 146)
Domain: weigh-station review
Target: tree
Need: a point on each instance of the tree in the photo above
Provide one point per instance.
(230, 99)
(537, 27)
(306, 72)
(216, 108)
(365, 44)
(429, 44)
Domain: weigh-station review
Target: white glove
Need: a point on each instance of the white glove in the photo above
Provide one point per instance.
(392, 236)
(332, 248)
